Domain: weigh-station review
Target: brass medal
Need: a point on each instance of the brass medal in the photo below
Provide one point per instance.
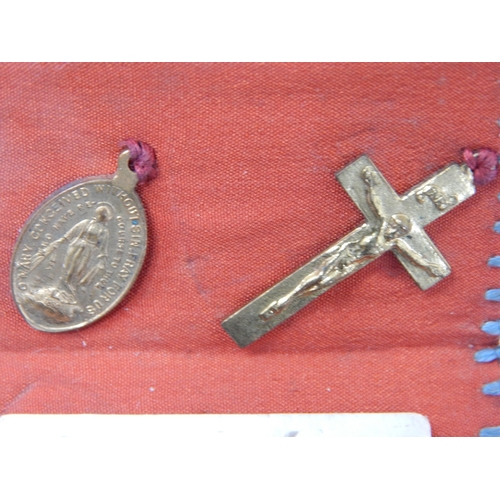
(80, 251)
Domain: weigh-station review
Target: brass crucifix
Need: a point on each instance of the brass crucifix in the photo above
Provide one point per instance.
(393, 223)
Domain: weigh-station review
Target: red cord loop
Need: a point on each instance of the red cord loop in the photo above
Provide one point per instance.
(142, 159)
(483, 163)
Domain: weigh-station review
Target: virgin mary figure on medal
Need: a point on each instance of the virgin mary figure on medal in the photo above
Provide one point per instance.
(81, 250)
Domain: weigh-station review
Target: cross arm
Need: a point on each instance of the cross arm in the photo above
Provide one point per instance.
(440, 193)
(420, 257)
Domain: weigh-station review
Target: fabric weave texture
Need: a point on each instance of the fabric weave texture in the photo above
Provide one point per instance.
(246, 194)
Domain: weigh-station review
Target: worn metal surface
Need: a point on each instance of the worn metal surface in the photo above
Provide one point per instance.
(393, 223)
(80, 251)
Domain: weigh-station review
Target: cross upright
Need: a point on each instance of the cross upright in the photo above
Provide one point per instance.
(393, 223)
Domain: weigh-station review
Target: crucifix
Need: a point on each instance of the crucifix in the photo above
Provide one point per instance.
(392, 223)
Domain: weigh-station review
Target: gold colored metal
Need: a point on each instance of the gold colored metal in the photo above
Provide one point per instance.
(392, 223)
(80, 251)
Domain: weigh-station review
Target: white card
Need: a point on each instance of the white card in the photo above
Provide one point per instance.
(28, 427)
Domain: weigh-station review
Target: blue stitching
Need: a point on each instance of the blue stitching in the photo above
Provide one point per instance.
(494, 261)
(487, 355)
(490, 432)
(491, 353)
(492, 389)
(493, 294)
(491, 327)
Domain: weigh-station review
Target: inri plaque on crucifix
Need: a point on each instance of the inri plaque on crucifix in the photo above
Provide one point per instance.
(393, 222)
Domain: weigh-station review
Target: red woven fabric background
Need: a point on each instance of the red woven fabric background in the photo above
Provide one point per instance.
(246, 194)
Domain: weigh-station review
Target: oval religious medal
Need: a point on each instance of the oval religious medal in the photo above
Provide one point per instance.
(80, 251)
